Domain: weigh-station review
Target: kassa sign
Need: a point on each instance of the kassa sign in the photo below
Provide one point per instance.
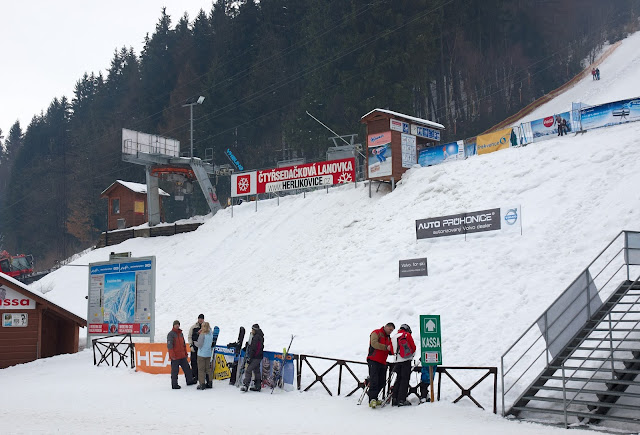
(11, 299)
(319, 174)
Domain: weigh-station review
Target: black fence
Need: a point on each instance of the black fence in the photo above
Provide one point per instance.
(348, 369)
(114, 347)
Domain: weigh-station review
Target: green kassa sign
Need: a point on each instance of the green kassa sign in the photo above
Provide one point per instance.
(430, 340)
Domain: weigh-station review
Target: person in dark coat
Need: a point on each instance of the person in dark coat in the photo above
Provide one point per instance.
(178, 354)
(379, 348)
(254, 358)
(597, 73)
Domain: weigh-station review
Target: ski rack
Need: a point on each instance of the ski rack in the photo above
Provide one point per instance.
(107, 348)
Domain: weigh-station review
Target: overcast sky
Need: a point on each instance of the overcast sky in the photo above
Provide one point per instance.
(47, 45)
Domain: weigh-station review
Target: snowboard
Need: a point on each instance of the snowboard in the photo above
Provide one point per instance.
(236, 346)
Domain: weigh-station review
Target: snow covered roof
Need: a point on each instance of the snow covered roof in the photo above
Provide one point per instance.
(407, 117)
(135, 187)
(76, 314)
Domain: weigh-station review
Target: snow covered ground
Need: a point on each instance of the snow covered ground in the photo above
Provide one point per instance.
(618, 81)
(325, 268)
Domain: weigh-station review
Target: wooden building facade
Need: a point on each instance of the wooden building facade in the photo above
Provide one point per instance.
(128, 203)
(33, 327)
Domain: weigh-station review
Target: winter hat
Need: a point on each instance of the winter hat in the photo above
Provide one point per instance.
(176, 322)
(255, 326)
(201, 316)
(405, 327)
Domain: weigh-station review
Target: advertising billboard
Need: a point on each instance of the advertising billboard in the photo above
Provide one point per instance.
(379, 155)
(442, 153)
(500, 140)
(549, 126)
(134, 142)
(506, 219)
(408, 143)
(121, 297)
(617, 112)
(318, 174)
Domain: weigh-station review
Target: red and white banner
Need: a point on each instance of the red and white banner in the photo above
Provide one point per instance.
(317, 174)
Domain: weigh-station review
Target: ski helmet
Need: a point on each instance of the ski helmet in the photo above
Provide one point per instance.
(405, 327)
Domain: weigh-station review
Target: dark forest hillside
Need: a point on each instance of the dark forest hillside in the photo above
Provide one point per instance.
(467, 64)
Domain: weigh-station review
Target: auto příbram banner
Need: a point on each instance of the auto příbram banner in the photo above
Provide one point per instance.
(548, 126)
(616, 112)
(504, 219)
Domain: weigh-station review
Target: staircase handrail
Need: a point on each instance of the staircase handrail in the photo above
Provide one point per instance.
(590, 298)
(620, 341)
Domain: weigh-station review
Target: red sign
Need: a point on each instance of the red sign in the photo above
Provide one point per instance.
(121, 328)
(318, 174)
(98, 328)
(548, 121)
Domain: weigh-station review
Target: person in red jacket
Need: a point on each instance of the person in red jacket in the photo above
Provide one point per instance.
(379, 348)
(405, 349)
(178, 355)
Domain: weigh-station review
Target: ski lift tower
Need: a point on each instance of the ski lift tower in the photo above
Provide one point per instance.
(161, 155)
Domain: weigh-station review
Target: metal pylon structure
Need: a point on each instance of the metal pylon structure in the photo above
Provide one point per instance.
(154, 152)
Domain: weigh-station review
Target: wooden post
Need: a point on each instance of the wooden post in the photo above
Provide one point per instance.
(431, 381)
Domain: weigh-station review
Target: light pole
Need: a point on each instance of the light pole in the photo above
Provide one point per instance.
(190, 102)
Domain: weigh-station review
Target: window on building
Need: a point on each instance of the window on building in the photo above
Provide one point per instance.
(115, 206)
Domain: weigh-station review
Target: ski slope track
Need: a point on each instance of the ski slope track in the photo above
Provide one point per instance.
(325, 268)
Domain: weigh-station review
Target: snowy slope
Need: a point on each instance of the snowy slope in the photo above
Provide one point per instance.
(619, 80)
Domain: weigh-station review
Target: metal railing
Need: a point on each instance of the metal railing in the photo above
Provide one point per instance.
(544, 343)
(109, 346)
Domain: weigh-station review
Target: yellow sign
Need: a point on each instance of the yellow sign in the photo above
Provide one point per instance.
(138, 207)
(500, 140)
(221, 369)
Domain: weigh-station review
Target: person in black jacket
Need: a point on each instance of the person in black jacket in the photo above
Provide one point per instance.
(194, 332)
(254, 358)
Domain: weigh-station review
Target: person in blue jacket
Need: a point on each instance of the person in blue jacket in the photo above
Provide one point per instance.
(205, 352)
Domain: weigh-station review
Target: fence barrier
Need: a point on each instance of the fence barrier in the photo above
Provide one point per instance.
(107, 348)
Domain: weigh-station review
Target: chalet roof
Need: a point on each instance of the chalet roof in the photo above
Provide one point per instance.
(134, 187)
(377, 112)
(41, 298)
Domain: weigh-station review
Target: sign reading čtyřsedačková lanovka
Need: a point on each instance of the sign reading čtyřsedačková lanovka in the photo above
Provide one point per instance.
(494, 219)
(319, 174)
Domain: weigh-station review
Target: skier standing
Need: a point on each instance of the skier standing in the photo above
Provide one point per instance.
(178, 355)
(593, 73)
(379, 348)
(193, 337)
(597, 73)
(205, 351)
(405, 348)
(254, 357)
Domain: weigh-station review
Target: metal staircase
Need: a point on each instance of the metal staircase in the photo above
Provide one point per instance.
(578, 364)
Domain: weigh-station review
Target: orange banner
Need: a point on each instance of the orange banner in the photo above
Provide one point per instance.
(154, 358)
(500, 140)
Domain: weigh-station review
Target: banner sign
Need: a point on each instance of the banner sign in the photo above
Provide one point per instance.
(400, 126)
(223, 356)
(549, 125)
(439, 154)
(12, 300)
(617, 112)
(430, 340)
(303, 176)
(15, 320)
(507, 219)
(426, 132)
(470, 149)
(379, 154)
(413, 267)
(154, 358)
(500, 140)
(271, 364)
(234, 159)
(122, 297)
(408, 150)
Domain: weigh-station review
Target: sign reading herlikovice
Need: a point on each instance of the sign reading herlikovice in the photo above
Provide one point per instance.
(504, 219)
(430, 340)
(318, 174)
(122, 297)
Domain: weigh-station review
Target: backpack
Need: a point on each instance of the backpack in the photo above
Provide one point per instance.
(404, 349)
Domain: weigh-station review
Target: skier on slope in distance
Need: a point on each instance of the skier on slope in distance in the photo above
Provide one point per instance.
(379, 348)
(254, 357)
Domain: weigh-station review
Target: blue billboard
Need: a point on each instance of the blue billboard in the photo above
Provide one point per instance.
(549, 126)
(435, 155)
(617, 112)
